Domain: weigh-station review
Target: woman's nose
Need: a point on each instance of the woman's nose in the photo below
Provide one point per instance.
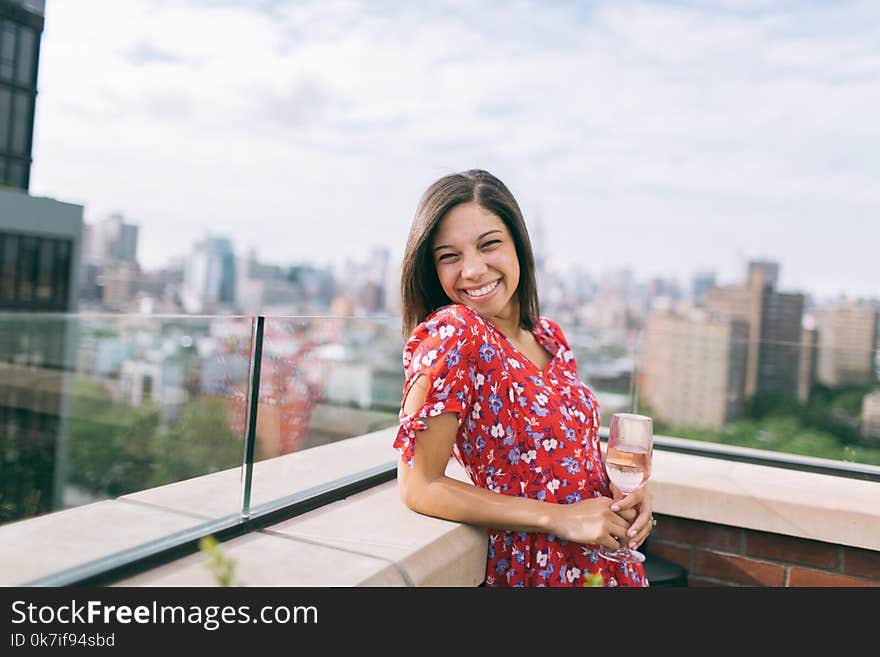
(473, 267)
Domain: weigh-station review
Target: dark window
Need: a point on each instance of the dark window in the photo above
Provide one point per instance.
(5, 117)
(8, 261)
(15, 173)
(21, 123)
(62, 272)
(44, 271)
(24, 70)
(27, 268)
(2, 171)
(7, 49)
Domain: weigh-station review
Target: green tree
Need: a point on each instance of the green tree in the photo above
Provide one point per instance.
(109, 447)
(202, 442)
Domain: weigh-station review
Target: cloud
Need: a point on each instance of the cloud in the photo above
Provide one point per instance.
(310, 129)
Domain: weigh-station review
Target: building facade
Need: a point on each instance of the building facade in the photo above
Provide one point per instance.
(847, 344)
(40, 245)
(209, 276)
(21, 26)
(693, 368)
(774, 321)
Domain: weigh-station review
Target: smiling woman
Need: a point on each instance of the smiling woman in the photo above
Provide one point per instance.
(492, 382)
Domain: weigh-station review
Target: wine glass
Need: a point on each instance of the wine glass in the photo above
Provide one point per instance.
(628, 464)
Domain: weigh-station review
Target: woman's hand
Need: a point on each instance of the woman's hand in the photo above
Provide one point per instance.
(590, 521)
(641, 503)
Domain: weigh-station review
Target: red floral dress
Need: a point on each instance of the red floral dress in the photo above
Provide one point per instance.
(522, 431)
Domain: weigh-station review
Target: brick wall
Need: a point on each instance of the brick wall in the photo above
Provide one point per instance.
(719, 555)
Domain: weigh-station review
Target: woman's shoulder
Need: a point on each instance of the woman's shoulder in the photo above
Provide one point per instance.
(454, 321)
(454, 316)
(552, 330)
(456, 313)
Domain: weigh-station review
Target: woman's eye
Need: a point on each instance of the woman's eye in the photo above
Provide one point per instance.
(491, 243)
(446, 257)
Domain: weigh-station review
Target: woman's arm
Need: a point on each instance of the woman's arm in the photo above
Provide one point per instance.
(425, 488)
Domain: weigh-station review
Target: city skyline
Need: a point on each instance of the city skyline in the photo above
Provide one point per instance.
(668, 139)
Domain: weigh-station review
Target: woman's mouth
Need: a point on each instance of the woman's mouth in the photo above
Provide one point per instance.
(483, 291)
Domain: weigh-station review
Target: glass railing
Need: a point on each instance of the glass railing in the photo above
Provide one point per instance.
(93, 408)
(710, 383)
(109, 407)
(322, 381)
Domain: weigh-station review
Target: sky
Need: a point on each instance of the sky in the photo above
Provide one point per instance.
(664, 137)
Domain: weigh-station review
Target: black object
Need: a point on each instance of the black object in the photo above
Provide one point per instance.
(664, 574)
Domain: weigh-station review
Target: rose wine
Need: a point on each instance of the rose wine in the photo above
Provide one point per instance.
(628, 466)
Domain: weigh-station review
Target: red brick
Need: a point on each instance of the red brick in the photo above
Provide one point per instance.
(742, 570)
(808, 577)
(861, 562)
(703, 582)
(792, 550)
(707, 534)
(674, 553)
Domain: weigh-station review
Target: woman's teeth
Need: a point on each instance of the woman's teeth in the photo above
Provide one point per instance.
(483, 291)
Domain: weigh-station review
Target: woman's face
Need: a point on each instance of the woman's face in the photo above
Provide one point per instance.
(475, 257)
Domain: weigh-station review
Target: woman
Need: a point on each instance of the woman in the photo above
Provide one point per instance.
(495, 384)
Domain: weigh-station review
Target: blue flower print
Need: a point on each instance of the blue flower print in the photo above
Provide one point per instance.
(502, 566)
(572, 465)
(534, 435)
(487, 352)
(547, 572)
(495, 403)
(538, 410)
(453, 358)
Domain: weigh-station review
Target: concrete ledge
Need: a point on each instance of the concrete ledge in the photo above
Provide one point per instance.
(267, 560)
(47, 544)
(371, 539)
(820, 507)
(368, 540)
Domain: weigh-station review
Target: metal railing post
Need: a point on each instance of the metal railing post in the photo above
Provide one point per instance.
(253, 402)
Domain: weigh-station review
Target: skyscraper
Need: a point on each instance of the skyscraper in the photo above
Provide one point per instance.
(700, 282)
(693, 368)
(21, 25)
(774, 321)
(112, 240)
(209, 276)
(40, 246)
(847, 344)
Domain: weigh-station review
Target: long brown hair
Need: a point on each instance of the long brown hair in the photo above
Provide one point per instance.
(420, 289)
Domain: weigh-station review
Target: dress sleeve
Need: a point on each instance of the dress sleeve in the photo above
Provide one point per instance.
(552, 330)
(443, 348)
